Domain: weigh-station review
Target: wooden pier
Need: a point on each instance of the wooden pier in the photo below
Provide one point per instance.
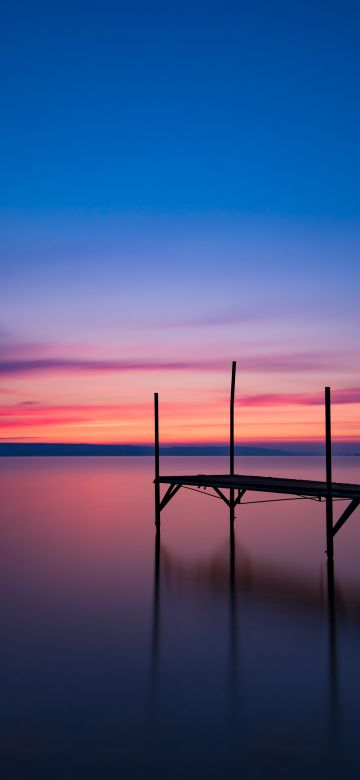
(236, 485)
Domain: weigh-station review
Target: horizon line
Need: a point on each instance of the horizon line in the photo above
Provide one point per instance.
(221, 449)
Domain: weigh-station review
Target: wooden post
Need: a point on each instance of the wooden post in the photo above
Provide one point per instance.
(157, 461)
(232, 403)
(329, 501)
(232, 439)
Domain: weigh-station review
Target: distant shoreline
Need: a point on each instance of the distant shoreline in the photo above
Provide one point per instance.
(23, 449)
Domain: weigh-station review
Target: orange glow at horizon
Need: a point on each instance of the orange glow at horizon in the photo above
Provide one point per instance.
(183, 422)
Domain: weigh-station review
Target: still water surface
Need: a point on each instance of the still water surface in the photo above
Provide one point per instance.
(126, 658)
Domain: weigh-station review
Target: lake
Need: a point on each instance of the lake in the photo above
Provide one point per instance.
(128, 656)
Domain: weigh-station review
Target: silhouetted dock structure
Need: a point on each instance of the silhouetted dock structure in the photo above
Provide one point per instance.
(236, 485)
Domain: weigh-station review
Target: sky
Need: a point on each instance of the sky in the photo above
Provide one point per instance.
(180, 188)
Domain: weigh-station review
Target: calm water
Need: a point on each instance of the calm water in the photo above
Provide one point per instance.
(121, 659)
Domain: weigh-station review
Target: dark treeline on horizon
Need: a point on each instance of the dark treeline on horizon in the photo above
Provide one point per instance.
(44, 449)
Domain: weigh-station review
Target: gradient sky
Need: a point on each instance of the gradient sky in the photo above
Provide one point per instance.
(180, 187)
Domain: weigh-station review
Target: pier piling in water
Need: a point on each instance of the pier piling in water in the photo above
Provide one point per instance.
(329, 499)
(232, 440)
(157, 461)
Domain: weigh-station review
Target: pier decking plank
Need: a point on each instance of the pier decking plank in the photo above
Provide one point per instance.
(279, 485)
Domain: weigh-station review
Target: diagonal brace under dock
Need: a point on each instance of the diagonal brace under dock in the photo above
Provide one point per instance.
(242, 483)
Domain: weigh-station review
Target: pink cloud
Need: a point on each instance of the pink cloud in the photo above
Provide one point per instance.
(262, 363)
(343, 396)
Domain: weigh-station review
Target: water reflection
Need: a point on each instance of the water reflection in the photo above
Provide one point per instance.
(254, 655)
(231, 572)
(333, 651)
(233, 650)
(155, 640)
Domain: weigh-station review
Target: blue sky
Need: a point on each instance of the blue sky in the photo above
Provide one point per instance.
(178, 180)
(250, 106)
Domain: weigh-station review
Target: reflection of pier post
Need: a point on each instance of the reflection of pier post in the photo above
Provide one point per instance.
(233, 622)
(155, 643)
(333, 656)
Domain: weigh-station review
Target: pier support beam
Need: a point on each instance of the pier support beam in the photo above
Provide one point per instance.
(168, 495)
(329, 499)
(157, 461)
(346, 514)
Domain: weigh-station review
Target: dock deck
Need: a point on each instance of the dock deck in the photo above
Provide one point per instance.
(236, 485)
(241, 482)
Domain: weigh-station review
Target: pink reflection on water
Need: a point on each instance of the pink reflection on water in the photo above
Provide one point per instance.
(96, 616)
(84, 527)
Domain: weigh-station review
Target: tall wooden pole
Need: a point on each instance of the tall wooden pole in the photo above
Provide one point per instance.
(157, 461)
(329, 501)
(232, 439)
(232, 404)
